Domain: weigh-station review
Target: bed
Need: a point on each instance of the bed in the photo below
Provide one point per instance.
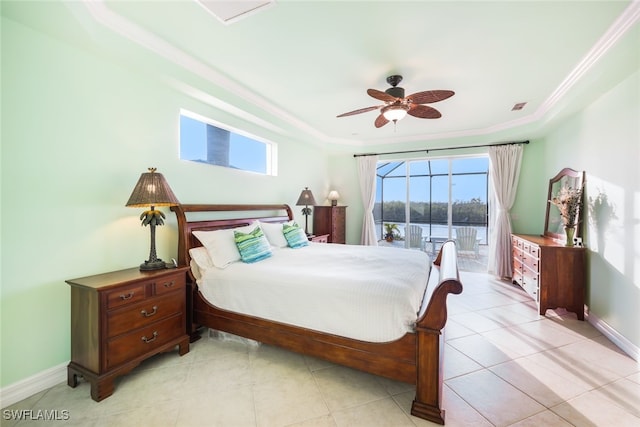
(414, 355)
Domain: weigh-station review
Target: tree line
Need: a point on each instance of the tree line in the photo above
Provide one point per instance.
(473, 212)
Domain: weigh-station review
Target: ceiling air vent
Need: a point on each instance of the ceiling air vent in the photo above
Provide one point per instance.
(519, 106)
(229, 12)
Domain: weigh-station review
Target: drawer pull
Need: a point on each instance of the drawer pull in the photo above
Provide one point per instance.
(128, 296)
(145, 314)
(169, 284)
(148, 340)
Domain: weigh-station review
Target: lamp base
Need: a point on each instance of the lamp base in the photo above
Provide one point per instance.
(153, 265)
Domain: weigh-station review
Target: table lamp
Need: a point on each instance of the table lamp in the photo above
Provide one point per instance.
(152, 190)
(333, 196)
(306, 199)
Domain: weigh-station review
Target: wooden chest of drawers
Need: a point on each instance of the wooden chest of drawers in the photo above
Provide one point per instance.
(330, 220)
(553, 274)
(121, 318)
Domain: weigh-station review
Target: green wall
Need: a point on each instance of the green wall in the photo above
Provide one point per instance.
(78, 129)
(603, 140)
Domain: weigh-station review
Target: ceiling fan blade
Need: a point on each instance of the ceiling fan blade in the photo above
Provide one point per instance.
(362, 110)
(423, 112)
(382, 96)
(381, 121)
(430, 96)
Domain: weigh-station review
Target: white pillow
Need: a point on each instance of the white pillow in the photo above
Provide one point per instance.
(200, 261)
(221, 244)
(273, 231)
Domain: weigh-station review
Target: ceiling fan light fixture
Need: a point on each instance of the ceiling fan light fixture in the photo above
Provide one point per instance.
(393, 113)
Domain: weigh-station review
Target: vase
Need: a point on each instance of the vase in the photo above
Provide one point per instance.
(569, 231)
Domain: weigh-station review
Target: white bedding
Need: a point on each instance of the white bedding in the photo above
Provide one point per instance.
(360, 292)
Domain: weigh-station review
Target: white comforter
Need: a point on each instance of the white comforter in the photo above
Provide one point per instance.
(361, 292)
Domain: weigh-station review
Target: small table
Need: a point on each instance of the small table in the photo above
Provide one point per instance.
(435, 241)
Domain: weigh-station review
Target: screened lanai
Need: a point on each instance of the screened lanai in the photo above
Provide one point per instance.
(432, 200)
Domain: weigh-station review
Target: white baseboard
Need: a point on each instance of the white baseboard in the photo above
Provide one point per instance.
(614, 336)
(34, 384)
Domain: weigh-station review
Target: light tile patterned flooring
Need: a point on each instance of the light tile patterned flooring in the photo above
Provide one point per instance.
(504, 366)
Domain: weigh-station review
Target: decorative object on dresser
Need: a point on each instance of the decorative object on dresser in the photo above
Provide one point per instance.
(121, 318)
(333, 197)
(553, 274)
(306, 199)
(331, 220)
(564, 206)
(152, 190)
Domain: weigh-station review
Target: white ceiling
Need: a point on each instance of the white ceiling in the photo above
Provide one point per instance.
(293, 66)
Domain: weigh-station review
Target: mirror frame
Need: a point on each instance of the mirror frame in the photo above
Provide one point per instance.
(553, 227)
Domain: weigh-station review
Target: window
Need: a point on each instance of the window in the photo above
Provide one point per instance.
(203, 140)
(438, 195)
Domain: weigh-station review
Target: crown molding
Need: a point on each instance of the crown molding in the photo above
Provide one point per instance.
(120, 25)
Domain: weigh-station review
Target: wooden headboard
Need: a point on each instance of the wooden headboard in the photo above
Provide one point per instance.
(223, 216)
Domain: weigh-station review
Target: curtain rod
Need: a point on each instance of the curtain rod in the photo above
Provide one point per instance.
(426, 150)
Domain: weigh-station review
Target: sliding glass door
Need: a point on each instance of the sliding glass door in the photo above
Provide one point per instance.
(429, 200)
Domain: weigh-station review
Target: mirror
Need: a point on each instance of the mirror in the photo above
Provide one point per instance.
(553, 226)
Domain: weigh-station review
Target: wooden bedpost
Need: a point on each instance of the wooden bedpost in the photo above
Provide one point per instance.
(430, 341)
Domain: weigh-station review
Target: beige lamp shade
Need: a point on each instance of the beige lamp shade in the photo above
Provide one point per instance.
(333, 196)
(152, 190)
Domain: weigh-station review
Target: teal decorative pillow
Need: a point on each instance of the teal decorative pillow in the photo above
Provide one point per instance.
(296, 237)
(252, 246)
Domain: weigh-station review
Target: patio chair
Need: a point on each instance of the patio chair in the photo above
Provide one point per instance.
(467, 241)
(414, 235)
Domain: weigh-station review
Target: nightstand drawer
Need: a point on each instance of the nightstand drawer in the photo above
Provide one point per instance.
(124, 296)
(144, 340)
(170, 283)
(142, 314)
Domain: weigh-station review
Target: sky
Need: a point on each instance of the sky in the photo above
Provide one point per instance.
(244, 153)
(464, 187)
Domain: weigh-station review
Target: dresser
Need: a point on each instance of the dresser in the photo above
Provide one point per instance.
(553, 274)
(121, 318)
(330, 220)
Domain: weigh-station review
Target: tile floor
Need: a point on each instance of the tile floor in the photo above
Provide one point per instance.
(504, 366)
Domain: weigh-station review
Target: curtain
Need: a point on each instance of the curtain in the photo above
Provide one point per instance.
(367, 175)
(504, 172)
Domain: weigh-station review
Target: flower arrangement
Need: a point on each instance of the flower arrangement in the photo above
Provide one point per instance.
(567, 200)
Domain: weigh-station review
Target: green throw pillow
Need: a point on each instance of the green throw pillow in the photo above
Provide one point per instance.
(252, 246)
(296, 237)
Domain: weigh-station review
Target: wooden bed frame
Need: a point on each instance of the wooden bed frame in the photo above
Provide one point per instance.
(415, 358)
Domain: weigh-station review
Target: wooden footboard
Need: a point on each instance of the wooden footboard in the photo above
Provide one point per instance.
(395, 359)
(415, 358)
(430, 341)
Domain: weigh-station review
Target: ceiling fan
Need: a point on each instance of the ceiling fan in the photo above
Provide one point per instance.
(397, 106)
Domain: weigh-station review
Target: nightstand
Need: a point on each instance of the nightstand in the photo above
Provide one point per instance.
(321, 238)
(121, 318)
